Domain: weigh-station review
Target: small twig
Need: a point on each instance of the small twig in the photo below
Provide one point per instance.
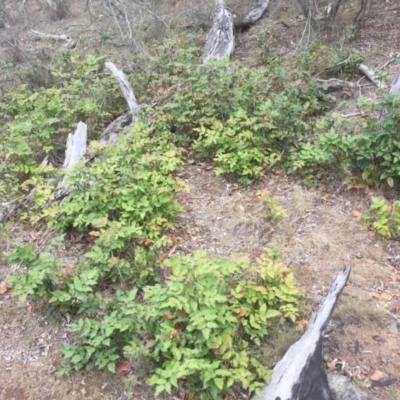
(356, 114)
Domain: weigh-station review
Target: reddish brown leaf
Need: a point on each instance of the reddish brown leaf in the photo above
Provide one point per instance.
(4, 287)
(169, 315)
(124, 367)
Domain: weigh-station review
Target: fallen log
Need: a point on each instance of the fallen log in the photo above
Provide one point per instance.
(300, 375)
(371, 76)
(69, 41)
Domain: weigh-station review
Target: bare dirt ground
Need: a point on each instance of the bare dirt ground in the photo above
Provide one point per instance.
(322, 233)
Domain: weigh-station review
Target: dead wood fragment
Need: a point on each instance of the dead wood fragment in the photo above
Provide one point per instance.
(75, 151)
(69, 41)
(125, 87)
(299, 375)
(220, 39)
(111, 133)
(252, 16)
(395, 89)
(371, 76)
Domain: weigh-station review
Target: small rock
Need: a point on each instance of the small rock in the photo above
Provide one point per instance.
(343, 389)
(377, 376)
(394, 328)
(379, 339)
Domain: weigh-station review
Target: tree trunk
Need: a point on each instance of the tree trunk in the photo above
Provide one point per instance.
(220, 39)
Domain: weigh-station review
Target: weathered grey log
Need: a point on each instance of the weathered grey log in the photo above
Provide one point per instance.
(125, 87)
(69, 42)
(252, 16)
(371, 76)
(111, 133)
(300, 375)
(220, 39)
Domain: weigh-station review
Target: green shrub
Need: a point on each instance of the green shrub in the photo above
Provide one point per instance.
(327, 154)
(37, 121)
(377, 155)
(384, 217)
(202, 324)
